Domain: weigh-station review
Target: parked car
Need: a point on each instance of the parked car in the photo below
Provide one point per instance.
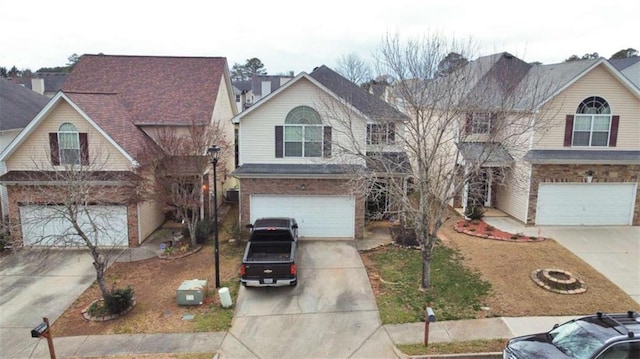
(601, 336)
(269, 257)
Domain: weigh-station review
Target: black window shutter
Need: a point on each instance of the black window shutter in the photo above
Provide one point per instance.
(613, 135)
(568, 131)
(493, 123)
(279, 142)
(84, 148)
(53, 146)
(326, 145)
(468, 126)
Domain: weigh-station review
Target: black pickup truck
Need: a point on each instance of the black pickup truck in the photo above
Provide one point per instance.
(269, 258)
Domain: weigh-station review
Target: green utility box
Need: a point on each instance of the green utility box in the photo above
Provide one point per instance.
(192, 292)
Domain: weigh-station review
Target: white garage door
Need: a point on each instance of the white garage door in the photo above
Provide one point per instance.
(46, 225)
(585, 203)
(317, 216)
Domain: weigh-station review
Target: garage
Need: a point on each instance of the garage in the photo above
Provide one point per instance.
(585, 203)
(45, 225)
(317, 216)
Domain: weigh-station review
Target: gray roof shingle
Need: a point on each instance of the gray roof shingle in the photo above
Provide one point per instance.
(370, 105)
(487, 154)
(18, 105)
(273, 169)
(582, 156)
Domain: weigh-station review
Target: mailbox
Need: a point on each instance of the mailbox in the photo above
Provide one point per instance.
(39, 330)
(431, 316)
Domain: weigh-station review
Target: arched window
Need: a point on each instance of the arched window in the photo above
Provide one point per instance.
(303, 133)
(592, 124)
(68, 144)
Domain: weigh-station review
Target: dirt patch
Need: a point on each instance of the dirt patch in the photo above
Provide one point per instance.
(155, 282)
(507, 266)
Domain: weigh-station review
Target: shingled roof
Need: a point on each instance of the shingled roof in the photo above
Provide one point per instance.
(370, 105)
(109, 112)
(18, 105)
(154, 90)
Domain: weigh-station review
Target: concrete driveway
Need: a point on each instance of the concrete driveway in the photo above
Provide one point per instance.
(34, 285)
(332, 312)
(614, 251)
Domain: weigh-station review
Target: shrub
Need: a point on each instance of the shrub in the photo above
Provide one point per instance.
(404, 236)
(119, 300)
(203, 230)
(185, 232)
(474, 212)
(489, 228)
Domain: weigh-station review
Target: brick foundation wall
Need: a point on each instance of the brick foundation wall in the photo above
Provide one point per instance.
(577, 173)
(19, 194)
(288, 186)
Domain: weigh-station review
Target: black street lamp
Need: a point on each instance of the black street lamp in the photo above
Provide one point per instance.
(214, 154)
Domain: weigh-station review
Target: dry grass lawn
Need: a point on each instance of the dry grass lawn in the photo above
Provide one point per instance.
(155, 282)
(508, 266)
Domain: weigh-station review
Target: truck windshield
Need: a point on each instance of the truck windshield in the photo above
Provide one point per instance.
(577, 339)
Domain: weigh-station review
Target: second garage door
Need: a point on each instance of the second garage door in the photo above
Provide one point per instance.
(317, 216)
(585, 203)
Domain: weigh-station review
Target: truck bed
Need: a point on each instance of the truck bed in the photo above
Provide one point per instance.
(269, 252)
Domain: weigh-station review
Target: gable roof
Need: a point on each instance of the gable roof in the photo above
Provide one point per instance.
(370, 105)
(112, 117)
(18, 105)
(555, 78)
(154, 90)
(109, 113)
(532, 85)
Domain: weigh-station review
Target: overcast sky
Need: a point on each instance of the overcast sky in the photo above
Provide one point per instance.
(299, 35)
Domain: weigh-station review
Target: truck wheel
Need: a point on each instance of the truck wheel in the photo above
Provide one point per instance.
(293, 284)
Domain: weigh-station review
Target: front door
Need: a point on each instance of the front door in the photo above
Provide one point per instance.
(479, 190)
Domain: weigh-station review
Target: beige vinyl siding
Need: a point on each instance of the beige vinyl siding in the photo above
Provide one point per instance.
(34, 152)
(222, 115)
(257, 129)
(512, 196)
(598, 82)
(150, 217)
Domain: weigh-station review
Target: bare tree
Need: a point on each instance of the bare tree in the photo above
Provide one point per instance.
(459, 127)
(177, 165)
(72, 202)
(353, 68)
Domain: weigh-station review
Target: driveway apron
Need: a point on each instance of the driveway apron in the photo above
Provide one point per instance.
(332, 312)
(36, 284)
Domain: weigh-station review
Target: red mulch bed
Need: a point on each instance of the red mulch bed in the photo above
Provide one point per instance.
(479, 228)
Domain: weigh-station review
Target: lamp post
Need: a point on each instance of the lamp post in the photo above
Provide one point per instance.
(214, 154)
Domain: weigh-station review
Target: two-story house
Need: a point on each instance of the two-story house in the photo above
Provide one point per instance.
(298, 153)
(579, 163)
(110, 112)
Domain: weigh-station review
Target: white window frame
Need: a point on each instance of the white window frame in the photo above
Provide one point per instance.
(71, 143)
(480, 123)
(381, 134)
(304, 118)
(591, 113)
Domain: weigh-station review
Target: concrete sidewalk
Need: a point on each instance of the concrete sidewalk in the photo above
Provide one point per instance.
(413, 333)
